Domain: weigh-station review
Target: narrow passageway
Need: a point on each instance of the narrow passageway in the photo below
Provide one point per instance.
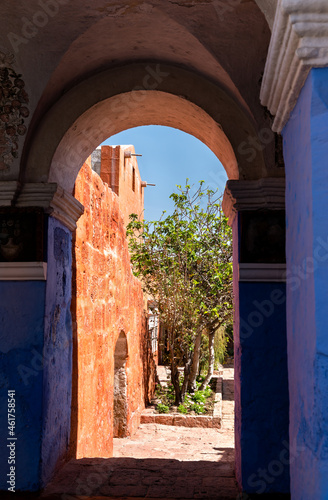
(160, 461)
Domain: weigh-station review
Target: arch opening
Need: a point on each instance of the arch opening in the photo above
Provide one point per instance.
(133, 109)
(120, 387)
(114, 100)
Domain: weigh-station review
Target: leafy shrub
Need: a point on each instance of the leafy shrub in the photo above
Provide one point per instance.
(187, 400)
(198, 408)
(162, 408)
(197, 401)
(199, 397)
(199, 381)
(207, 392)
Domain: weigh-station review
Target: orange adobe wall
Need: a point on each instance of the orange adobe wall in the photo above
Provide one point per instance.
(107, 300)
(120, 171)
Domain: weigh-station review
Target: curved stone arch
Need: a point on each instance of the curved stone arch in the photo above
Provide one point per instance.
(268, 8)
(139, 94)
(129, 110)
(120, 428)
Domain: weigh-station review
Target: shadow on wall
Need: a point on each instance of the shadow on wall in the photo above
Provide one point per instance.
(75, 389)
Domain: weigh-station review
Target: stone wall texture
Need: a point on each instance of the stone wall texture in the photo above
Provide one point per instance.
(107, 300)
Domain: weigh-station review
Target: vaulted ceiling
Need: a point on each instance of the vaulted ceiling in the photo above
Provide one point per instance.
(59, 44)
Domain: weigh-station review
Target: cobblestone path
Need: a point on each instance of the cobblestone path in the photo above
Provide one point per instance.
(159, 461)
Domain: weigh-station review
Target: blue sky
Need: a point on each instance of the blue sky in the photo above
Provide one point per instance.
(169, 156)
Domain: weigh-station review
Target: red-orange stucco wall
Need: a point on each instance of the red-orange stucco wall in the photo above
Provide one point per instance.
(107, 299)
(118, 171)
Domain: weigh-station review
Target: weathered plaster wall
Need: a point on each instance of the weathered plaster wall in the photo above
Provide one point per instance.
(108, 300)
(305, 153)
(21, 346)
(57, 373)
(117, 172)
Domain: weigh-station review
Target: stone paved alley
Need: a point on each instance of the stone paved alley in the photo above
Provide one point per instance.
(160, 461)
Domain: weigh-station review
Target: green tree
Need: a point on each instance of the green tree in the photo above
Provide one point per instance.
(184, 262)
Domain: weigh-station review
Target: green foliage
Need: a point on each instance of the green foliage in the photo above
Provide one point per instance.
(207, 392)
(223, 347)
(184, 262)
(229, 337)
(182, 409)
(199, 397)
(198, 408)
(161, 408)
(199, 402)
(220, 346)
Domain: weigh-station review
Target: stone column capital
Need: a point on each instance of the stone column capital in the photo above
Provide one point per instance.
(299, 42)
(50, 196)
(240, 195)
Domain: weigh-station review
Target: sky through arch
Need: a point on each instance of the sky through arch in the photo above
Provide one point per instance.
(169, 156)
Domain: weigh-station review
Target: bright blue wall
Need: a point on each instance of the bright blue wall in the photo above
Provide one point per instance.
(261, 367)
(36, 361)
(58, 349)
(306, 161)
(21, 342)
(237, 351)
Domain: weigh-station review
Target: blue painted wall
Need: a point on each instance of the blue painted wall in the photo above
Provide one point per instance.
(21, 342)
(36, 361)
(306, 160)
(57, 383)
(261, 366)
(237, 351)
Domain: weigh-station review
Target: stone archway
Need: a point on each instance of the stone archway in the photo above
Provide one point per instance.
(120, 387)
(217, 53)
(109, 71)
(147, 94)
(94, 110)
(87, 114)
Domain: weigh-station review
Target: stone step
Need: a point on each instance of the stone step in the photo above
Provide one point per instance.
(149, 416)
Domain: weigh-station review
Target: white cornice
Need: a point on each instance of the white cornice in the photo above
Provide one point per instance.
(299, 42)
(242, 195)
(49, 196)
(66, 208)
(7, 192)
(23, 271)
(36, 194)
(262, 272)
